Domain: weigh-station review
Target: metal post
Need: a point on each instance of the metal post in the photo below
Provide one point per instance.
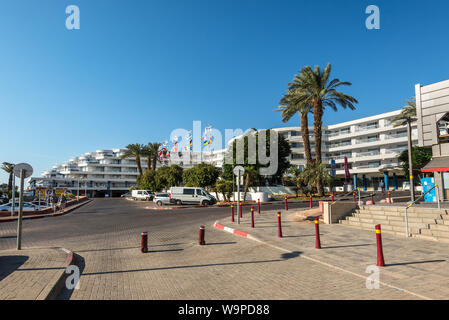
(238, 196)
(39, 198)
(359, 197)
(13, 194)
(406, 222)
(19, 219)
(78, 191)
(438, 195)
(410, 161)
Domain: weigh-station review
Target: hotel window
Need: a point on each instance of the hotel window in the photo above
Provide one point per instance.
(296, 156)
(295, 133)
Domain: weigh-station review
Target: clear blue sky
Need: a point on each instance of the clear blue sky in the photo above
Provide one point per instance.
(138, 69)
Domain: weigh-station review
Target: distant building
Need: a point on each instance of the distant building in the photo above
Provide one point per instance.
(372, 146)
(432, 109)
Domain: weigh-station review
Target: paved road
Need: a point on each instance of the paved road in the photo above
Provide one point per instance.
(106, 236)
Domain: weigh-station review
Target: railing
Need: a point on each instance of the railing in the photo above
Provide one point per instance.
(358, 129)
(437, 191)
(367, 154)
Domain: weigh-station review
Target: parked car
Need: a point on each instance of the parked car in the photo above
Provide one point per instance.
(43, 204)
(183, 195)
(126, 195)
(162, 198)
(142, 195)
(27, 206)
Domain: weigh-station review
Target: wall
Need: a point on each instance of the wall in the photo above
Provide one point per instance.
(337, 211)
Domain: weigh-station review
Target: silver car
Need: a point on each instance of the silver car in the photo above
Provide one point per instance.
(27, 206)
(162, 198)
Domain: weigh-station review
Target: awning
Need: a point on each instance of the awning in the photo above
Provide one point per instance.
(437, 164)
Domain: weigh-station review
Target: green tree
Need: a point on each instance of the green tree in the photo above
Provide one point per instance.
(290, 105)
(151, 152)
(314, 88)
(225, 188)
(148, 181)
(169, 176)
(421, 156)
(406, 117)
(254, 168)
(313, 173)
(135, 150)
(203, 175)
(9, 168)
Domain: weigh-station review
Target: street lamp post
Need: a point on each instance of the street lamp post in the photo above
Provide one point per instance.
(410, 161)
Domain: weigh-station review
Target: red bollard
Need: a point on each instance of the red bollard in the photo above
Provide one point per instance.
(332, 197)
(258, 206)
(252, 217)
(240, 210)
(310, 202)
(380, 253)
(389, 197)
(317, 233)
(286, 206)
(232, 213)
(279, 225)
(144, 242)
(201, 241)
(372, 199)
(353, 196)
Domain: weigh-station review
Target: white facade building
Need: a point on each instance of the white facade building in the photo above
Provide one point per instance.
(372, 146)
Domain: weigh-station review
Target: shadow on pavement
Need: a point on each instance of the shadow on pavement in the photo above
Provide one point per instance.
(218, 243)
(185, 267)
(9, 264)
(291, 255)
(416, 262)
(349, 246)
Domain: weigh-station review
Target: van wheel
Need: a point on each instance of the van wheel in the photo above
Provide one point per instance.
(178, 202)
(159, 203)
(205, 203)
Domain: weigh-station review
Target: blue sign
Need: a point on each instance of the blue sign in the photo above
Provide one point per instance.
(427, 184)
(333, 168)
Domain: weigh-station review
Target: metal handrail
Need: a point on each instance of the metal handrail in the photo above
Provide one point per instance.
(414, 202)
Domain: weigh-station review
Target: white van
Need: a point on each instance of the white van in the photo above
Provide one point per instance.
(142, 195)
(192, 195)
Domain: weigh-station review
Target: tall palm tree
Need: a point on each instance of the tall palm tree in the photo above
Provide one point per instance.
(406, 117)
(134, 150)
(313, 174)
(290, 105)
(314, 88)
(153, 154)
(9, 168)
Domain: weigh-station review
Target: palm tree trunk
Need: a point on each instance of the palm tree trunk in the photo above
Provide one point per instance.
(317, 121)
(148, 163)
(246, 187)
(139, 165)
(410, 160)
(10, 182)
(305, 137)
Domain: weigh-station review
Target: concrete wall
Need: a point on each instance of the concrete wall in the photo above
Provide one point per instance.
(335, 211)
(432, 103)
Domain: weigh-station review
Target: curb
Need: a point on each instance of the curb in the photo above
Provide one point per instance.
(52, 291)
(70, 209)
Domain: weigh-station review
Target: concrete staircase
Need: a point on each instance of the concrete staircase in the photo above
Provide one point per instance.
(429, 224)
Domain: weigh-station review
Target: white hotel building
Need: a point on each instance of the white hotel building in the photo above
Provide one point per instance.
(372, 146)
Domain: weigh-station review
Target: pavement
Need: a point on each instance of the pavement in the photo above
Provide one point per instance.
(416, 267)
(33, 273)
(105, 237)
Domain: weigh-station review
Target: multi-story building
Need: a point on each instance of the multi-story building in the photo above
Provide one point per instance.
(371, 145)
(104, 173)
(432, 110)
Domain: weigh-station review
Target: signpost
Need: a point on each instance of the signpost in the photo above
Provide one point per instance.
(238, 171)
(22, 171)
